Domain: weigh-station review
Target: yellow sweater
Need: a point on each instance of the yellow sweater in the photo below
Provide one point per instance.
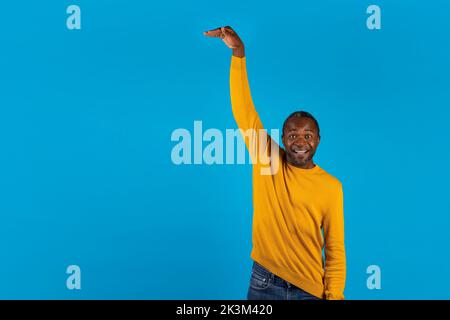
(292, 207)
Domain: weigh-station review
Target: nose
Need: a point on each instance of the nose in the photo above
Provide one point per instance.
(300, 141)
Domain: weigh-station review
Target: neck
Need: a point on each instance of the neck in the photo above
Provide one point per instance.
(307, 165)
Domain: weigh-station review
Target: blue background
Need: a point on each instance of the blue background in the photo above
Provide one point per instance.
(86, 118)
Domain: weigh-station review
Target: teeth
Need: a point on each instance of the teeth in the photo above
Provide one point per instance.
(300, 151)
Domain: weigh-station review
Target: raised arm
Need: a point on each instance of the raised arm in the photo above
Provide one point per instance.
(242, 105)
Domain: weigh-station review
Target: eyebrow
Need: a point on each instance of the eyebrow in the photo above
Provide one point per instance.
(292, 130)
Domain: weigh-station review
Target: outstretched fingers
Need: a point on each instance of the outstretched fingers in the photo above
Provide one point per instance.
(214, 33)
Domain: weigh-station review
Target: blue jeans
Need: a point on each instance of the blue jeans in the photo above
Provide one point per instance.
(264, 285)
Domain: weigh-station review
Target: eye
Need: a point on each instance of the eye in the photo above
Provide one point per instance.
(292, 136)
(307, 137)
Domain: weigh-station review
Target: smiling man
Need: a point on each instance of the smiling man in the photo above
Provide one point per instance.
(298, 209)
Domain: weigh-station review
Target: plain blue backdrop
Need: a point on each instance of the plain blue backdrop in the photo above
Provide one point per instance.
(86, 116)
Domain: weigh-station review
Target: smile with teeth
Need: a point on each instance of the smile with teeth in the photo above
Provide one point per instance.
(299, 151)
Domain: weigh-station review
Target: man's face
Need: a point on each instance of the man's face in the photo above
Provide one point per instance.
(300, 138)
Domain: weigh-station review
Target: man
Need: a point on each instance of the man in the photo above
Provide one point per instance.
(298, 209)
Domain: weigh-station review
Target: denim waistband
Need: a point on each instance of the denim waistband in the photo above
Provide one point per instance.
(276, 280)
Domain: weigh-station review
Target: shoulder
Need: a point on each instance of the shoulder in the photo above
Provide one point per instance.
(329, 179)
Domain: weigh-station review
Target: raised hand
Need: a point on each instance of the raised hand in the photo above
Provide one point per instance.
(230, 38)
